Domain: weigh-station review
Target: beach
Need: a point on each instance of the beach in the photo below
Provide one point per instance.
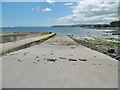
(59, 62)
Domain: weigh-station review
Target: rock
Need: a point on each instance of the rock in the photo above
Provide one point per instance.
(72, 59)
(105, 52)
(73, 47)
(36, 57)
(26, 53)
(82, 59)
(94, 56)
(51, 54)
(52, 43)
(62, 58)
(117, 57)
(67, 43)
(110, 65)
(93, 63)
(111, 50)
(51, 60)
(11, 54)
(99, 64)
(113, 55)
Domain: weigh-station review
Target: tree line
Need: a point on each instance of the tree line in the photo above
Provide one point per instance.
(111, 24)
(115, 24)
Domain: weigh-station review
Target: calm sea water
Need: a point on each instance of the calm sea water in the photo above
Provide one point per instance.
(77, 31)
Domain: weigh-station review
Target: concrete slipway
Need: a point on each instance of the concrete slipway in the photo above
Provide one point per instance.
(59, 63)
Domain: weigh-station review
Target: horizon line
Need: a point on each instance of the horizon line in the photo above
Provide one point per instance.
(57, 25)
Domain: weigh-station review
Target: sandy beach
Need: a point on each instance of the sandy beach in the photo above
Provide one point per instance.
(59, 63)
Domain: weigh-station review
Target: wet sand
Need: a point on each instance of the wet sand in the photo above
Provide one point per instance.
(59, 63)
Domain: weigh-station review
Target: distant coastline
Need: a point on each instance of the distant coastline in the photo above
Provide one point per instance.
(113, 24)
(86, 26)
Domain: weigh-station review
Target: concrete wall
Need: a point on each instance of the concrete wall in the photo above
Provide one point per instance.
(19, 36)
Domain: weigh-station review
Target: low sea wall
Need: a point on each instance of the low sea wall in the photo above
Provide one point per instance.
(26, 45)
(15, 36)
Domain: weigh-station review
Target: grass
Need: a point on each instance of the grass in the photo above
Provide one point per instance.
(117, 39)
(99, 45)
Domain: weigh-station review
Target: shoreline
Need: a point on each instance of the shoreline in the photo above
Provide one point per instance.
(103, 46)
(77, 39)
(114, 30)
(104, 28)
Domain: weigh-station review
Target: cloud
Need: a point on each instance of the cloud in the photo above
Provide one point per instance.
(33, 9)
(68, 4)
(36, 9)
(50, 1)
(93, 11)
(47, 9)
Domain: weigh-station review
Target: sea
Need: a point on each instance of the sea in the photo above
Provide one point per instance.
(76, 31)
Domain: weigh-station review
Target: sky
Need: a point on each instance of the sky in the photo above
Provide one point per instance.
(50, 12)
